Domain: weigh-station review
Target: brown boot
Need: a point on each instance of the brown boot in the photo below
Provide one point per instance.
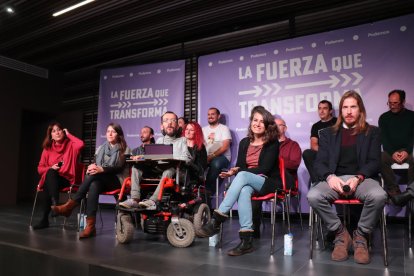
(90, 229)
(361, 253)
(343, 243)
(65, 209)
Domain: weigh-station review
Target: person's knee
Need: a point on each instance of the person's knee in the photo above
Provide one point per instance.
(242, 175)
(216, 164)
(308, 154)
(378, 197)
(168, 173)
(51, 173)
(313, 197)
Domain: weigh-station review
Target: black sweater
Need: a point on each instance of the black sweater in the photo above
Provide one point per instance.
(268, 164)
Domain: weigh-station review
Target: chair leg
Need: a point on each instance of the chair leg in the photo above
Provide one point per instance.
(411, 207)
(320, 231)
(287, 203)
(272, 244)
(310, 211)
(217, 193)
(33, 209)
(384, 237)
(311, 233)
(300, 211)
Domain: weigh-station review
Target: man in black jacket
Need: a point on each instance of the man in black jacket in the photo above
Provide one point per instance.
(347, 164)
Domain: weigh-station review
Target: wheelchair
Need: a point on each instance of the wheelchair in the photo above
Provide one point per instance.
(181, 212)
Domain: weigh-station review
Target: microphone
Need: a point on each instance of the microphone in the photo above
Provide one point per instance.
(346, 188)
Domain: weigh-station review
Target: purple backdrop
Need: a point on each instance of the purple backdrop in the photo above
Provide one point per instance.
(137, 96)
(290, 77)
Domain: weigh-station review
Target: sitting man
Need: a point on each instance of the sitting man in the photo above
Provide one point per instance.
(325, 112)
(290, 152)
(147, 137)
(397, 132)
(172, 135)
(218, 139)
(348, 163)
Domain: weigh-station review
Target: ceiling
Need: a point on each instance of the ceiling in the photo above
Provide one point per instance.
(122, 32)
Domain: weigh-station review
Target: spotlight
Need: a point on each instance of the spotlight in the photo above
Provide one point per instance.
(9, 9)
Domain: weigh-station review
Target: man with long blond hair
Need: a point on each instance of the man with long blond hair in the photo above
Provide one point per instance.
(347, 164)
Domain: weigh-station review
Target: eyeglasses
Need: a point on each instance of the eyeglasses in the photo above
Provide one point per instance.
(169, 120)
(393, 103)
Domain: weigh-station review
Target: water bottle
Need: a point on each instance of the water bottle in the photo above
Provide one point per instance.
(82, 221)
(288, 244)
(213, 240)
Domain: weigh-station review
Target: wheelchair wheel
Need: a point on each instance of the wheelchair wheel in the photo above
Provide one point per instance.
(185, 238)
(124, 228)
(201, 217)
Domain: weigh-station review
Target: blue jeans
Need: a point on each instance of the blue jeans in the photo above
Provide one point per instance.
(215, 167)
(241, 190)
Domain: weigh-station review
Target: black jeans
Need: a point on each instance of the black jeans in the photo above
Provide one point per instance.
(53, 183)
(390, 181)
(309, 157)
(92, 186)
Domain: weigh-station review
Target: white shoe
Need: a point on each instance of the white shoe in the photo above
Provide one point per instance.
(148, 204)
(129, 203)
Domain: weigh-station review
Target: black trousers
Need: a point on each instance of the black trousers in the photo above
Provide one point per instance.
(309, 157)
(93, 185)
(390, 181)
(53, 183)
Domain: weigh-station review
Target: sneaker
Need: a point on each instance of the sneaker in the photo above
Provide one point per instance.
(129, 203)
(148, 204)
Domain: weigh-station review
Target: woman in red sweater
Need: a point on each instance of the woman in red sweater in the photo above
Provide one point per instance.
(57, 166)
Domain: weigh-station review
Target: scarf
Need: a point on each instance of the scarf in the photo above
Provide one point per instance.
(107, 156)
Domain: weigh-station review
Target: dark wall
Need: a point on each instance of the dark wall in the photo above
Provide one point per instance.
(28, 103)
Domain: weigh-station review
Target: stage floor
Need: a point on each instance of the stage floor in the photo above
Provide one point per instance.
(54, 251)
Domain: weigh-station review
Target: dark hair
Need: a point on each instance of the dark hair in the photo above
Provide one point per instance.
(169, 112)
(198, 134)
(216, 109)
(47, 142)
(271, 130)
(120, 138)
(152, 140)
(400, 93)
(361, 125)
(184, 119)
(326, 102)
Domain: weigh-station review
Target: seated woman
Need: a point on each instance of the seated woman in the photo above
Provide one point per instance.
(195, 143)
(107, 173)
(257, 170)
(57, 167)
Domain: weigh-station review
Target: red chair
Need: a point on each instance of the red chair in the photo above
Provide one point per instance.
(281, 195)
(346, 217)
(80, 174)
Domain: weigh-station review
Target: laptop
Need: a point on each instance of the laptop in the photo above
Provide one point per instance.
(158, 151)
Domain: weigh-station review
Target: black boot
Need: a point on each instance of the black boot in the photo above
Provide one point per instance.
(245, 246)
(213, 226)
(401, 199)
(44, 221)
